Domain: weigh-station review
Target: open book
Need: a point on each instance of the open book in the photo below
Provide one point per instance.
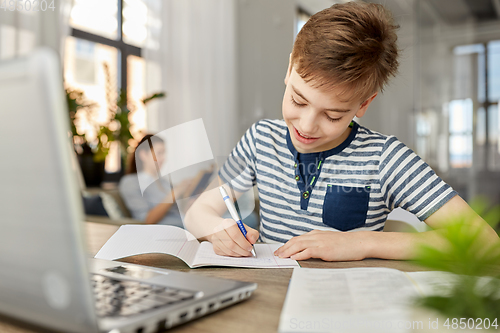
(375, 300)
(131, 240)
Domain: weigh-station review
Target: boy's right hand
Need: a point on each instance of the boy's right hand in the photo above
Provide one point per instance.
(228, 240)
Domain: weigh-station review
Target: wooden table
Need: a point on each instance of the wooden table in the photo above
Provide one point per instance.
(260, 313)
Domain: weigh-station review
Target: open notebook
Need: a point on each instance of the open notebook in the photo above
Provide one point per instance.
(131, 240)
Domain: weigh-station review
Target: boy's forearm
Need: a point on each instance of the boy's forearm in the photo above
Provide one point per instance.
(200, 220)
(405, 245)
(397, 245)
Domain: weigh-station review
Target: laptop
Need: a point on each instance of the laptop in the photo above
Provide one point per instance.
(46, 276)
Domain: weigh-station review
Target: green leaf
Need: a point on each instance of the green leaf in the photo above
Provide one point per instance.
(468, 257)
(151, 97)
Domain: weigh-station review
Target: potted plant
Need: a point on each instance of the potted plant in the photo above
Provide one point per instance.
(474, 294)
(92, 169)
(117, 129)
(92, 154)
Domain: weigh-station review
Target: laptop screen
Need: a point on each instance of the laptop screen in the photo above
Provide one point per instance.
(43, 278)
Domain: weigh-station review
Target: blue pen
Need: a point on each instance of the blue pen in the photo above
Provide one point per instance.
(234, 214)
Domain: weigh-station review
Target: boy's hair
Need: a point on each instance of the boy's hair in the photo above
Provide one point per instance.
(351, 46)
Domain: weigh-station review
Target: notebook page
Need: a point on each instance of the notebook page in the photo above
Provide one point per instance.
(131, 240)
(347, 300)
(265, 258)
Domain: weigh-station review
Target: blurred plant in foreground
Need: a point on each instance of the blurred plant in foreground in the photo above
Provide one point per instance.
(475, 293)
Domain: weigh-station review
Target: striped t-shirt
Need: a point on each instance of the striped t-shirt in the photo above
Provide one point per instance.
(353, 186)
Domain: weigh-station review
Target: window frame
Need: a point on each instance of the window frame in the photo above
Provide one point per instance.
(299, 11)
(124, 48)
(486, 105)
(477, 104)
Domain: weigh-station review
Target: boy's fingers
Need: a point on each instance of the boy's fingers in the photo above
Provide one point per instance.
(239, 240)
(235, 233)
(252, 234)
(230, 239)
(303, 255)
(296, 247)
(293, 246)
(220, 243)
(224, 251)
(284, 247)
(221, 249)
(233, 239)
(217, 250)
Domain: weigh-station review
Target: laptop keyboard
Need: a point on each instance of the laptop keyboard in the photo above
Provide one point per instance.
(117, 298)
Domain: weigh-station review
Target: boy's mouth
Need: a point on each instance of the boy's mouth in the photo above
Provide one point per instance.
(303, 138)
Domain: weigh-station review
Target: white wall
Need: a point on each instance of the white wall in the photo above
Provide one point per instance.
(392, 112)
(264, 42)
(196, 66)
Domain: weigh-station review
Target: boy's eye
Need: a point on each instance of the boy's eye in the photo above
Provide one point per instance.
(332, 119)
(295, 103)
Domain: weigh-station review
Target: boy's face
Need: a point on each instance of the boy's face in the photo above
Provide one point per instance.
(317, 120)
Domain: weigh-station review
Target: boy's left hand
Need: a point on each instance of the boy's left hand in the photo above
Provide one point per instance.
(325, 245)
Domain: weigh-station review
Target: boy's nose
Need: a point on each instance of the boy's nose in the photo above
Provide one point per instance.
(308, 123)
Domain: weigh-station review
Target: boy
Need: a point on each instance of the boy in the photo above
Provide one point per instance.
(319, 174)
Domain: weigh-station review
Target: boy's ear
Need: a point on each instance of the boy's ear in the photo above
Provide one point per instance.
(289, 70)
(364, 106)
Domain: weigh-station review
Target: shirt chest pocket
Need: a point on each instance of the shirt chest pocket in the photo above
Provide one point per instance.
(345, 207)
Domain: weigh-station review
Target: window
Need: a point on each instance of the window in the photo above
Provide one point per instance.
(493, 106)
(111, 37)
(493, 71)
(460, 127)
(493, 144)
(301, 19)
(88, 68)
(135, 20)
(477, 71)
(136, 83)
(99, 17)
(103, 56)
